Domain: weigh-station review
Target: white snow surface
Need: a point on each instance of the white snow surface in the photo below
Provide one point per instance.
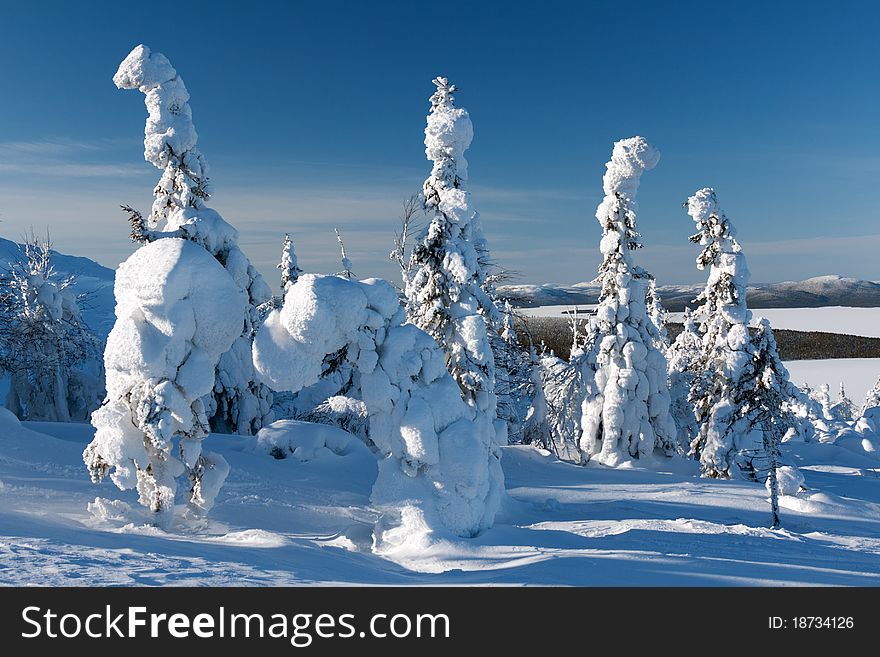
(309, 521)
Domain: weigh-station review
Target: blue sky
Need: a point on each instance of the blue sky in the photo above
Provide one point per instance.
(311, 115)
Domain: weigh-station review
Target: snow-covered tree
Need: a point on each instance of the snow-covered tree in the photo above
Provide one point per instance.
(536, 424)
(724, 319)
(444, 278)
(345, 272)
(657, 313)
(625, 413)
(844, 408)
(683, 355)
(439, 467)
(177, 311)
(735, 375)
(823, 398)
(289, 267)
(763, 407)
(514, 380)
(562, 384)
(237, 402)
(45, 346)
(872, 399)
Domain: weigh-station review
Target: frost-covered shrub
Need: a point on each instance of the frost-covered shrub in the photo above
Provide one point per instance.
(439, 467)
(236, 402)
(625, 410)
(45, 346)
(177, 311)
(683, 355)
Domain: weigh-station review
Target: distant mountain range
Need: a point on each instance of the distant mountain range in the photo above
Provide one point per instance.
(811, 293)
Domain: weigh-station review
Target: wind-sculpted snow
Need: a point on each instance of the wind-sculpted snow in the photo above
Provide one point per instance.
(177, 312)
(438, 466)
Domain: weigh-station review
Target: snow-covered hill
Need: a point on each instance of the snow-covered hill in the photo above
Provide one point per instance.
(92, 279)
(810, 293)
(309, 521)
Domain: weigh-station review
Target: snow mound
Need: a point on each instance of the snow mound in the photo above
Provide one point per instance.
(789, 479)
(306, 441)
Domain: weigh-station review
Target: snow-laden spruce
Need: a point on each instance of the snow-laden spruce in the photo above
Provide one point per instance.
(444, 279)
(869, 414)
(844, 408)
(45, 345)
(514, 381)
(872, 399)
(289, 266)
(625, 413)
(741, 394)
(439, 466)
(177, 311)
(725, 354)
(657, 314)
(683, 355)
(236, 402)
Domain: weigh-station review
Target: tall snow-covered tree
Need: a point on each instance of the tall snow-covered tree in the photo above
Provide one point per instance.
(724, 319)
(289, 267)
(625, 413)
(732, 426)
(45, 345)
(444, 278)
(439, 467)
(763, 406)
(237, 402)
(513, 373)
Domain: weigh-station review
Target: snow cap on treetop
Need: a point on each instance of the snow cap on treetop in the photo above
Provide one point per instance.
(629, 159)
(143, 69)
(443, 96)
(448, 134)
(169, 129)
(702, 205)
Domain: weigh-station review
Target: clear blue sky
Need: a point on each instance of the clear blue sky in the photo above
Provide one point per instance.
(311, 115)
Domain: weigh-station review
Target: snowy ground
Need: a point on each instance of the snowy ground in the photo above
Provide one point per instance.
(291, 522)
(830, 319)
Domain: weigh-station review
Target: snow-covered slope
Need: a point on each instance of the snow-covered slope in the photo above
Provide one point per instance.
(308, 520)
(92, 279)
(810, 293)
